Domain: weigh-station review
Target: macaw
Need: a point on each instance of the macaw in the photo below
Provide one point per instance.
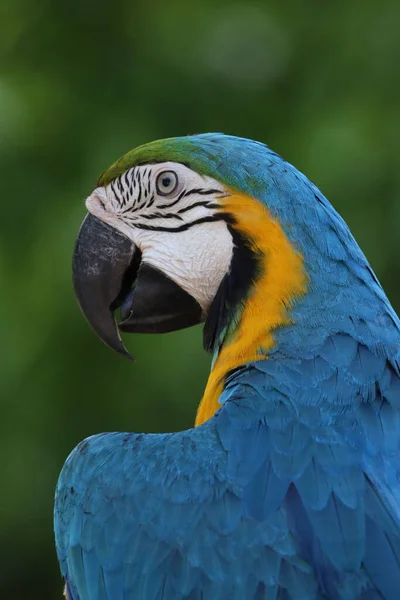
(288, 486)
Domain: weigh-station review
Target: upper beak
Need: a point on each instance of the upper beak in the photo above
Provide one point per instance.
(106, 264)
(100, 264)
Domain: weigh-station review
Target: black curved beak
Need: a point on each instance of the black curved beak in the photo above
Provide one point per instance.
(106, 264)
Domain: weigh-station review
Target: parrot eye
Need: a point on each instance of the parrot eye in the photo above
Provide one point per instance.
(166, 183)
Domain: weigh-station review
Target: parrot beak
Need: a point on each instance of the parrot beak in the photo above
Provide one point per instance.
(106, 264)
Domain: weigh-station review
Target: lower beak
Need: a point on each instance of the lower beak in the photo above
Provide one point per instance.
(106, 264)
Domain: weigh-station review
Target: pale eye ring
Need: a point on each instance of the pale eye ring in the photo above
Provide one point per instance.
(166, 183)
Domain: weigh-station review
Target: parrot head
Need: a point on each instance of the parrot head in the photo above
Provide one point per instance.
(160, 242)
(155, 245)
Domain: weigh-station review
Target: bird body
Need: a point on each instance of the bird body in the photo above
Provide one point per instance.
(288, 487)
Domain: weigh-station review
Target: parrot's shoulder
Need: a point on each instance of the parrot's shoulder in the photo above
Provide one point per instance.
(116, 472)
(131, 509)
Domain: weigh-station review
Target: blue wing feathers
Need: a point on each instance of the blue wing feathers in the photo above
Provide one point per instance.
(314, 486)
(265, 492)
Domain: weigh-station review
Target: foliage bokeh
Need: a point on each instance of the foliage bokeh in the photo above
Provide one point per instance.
(80, 84)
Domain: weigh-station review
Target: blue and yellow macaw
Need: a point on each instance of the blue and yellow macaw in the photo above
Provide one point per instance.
(288, 486)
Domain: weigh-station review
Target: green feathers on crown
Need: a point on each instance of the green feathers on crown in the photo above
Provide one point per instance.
(182, 149)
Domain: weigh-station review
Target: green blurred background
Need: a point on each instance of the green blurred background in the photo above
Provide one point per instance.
(80, 84)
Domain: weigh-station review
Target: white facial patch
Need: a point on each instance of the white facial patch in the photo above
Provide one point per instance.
(171, 214)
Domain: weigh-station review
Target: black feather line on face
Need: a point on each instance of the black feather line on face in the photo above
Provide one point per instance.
(205, 203)
(114, 191)
(137, 202)
(202, 192)
(149, 182)
(151, 201)
(185, 227)
(178, 199)
(127, 184)
(159, 215)
(234, 288)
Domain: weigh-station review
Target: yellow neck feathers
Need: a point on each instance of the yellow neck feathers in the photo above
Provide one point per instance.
(283, 279)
